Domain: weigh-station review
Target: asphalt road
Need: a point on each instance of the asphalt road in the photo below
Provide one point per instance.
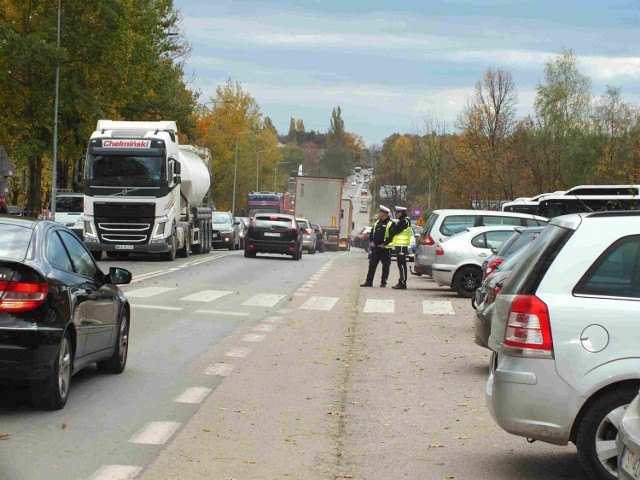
(269, 368)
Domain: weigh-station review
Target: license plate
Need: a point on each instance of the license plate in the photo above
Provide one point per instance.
(215, 235)
(271, 234)
(631, 463)
(124, 247)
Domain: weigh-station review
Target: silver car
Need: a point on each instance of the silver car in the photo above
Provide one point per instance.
(459, 258)
(628, 442)
(565, 337)
(445, 223)
(309, 238)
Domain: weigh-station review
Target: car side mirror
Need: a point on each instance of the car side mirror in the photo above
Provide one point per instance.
(119, 276)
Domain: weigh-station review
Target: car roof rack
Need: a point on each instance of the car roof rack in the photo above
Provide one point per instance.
(614, 213)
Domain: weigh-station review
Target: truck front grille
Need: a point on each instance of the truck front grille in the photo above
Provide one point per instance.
(124, 223)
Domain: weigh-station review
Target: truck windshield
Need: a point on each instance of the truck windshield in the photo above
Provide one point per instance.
(116, 168)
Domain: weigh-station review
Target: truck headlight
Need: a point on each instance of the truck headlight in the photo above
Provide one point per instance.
(158, 231)
(89, 232)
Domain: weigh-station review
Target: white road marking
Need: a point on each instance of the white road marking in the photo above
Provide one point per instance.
(254, 337)
(284, 310)
(222, 312)
(379, 306)
(263, 300)
(156, 433)
(264, 328)
(238, 352)
(116, 472)
(320, 303)
(205, 296)
(148, 292)
(300, 294)
(157, 307)
(193, 395)
(219, 369)
(430, 307)
(274, 319)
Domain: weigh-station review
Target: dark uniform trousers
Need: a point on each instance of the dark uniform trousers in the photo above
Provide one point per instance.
(401, 257)
(379, 254)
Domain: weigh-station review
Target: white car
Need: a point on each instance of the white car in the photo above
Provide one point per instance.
(354, 184)
(459, 258)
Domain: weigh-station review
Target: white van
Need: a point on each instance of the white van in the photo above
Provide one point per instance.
(444, 223)
(69, 209)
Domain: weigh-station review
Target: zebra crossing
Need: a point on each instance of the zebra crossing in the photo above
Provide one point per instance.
(268, 300)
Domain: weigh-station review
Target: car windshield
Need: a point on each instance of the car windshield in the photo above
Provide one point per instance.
(14, 242)
(69, 204)
(221, 219)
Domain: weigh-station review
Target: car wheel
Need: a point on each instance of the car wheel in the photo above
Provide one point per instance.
(232, 245)
(201, 247)
(312, 250)
(467, 280)
(297, 254)
(597, 431)
(52, 392)
(118, 360)
(96, 254)
(170, 256)
(248, 253)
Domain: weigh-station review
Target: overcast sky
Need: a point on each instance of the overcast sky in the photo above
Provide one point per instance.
(390, 63)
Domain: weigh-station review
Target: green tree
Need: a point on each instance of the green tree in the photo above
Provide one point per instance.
(292, 136)
(337, 162)
(336, 133)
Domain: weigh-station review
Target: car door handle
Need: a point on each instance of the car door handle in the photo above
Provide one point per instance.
(482, 254)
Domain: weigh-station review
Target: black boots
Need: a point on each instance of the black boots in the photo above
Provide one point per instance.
(400, 286)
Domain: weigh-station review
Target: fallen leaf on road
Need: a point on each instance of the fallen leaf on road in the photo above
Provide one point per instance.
(250, 462)
(464, 404)
(5, 436)
(206, 430)
(449, 477)
(461, 437)
(434, 445)
(63, 426)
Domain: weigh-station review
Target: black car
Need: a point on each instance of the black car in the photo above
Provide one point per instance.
(58, 312)
(273, 233)
(225, 231)
(319, 237)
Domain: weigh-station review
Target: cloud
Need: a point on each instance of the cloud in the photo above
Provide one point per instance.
(609, 68)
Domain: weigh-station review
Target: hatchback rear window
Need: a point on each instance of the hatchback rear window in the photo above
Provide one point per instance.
(273, 221)
(14, 241)
(457, 223)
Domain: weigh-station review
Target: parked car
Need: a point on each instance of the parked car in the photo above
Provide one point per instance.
(244, 226)
(69, 210)
(273, 233)
(361, 239)
(225, 231)
(363, 208)
(308, 235)
(58, 312)
(319, 237)
(459, 258)
(565, 337)
(628, 442)
(484, 298)
(522, 236)
(444, 223)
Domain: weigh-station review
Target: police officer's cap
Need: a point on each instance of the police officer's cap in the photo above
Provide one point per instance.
(384, 209)
(400, 209)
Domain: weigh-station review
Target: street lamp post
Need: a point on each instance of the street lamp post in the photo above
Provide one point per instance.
(258, 167)
(235, 173)
(54, 167)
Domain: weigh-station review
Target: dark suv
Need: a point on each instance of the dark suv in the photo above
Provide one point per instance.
(273, 233)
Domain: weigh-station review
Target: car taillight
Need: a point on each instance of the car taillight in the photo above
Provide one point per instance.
(528, 324)
(492, 266)
(309, 231)
(20, 296)
(439, 250)
(496, 289)
(427, 241)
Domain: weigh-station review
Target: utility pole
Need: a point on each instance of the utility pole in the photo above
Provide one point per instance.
(54, 167)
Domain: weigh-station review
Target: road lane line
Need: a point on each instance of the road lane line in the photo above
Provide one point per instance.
(155, 433)
(157, 307)
(320, 303)
(264, 328)
(300, 294)
(263, 300)
(379, 306)
(274, 319)
(254, 337)
(147, 292)
(222, 312)
(194, 395)
(219, 369)
(205, 296)
(284, 310)
(238, 352)
(116, 472)
(431, 307)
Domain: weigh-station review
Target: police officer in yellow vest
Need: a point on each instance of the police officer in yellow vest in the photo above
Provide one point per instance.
(378, 240)
(401, 234)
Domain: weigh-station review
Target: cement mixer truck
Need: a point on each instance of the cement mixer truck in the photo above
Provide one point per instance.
(145, 193)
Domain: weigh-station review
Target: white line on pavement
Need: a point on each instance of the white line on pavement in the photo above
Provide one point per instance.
(430, 307)
(300, 294)
(157, 307)
(320, 303)
(254, 337)
(264, 328)
(193, 395)
(205, 296)
(219, 369)
(155, 433)
(238, 352)
(379, 306)
(263, 300)
(147, 292)
(274, 319)
(284, 310)
(116, 472)
(222, 312)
